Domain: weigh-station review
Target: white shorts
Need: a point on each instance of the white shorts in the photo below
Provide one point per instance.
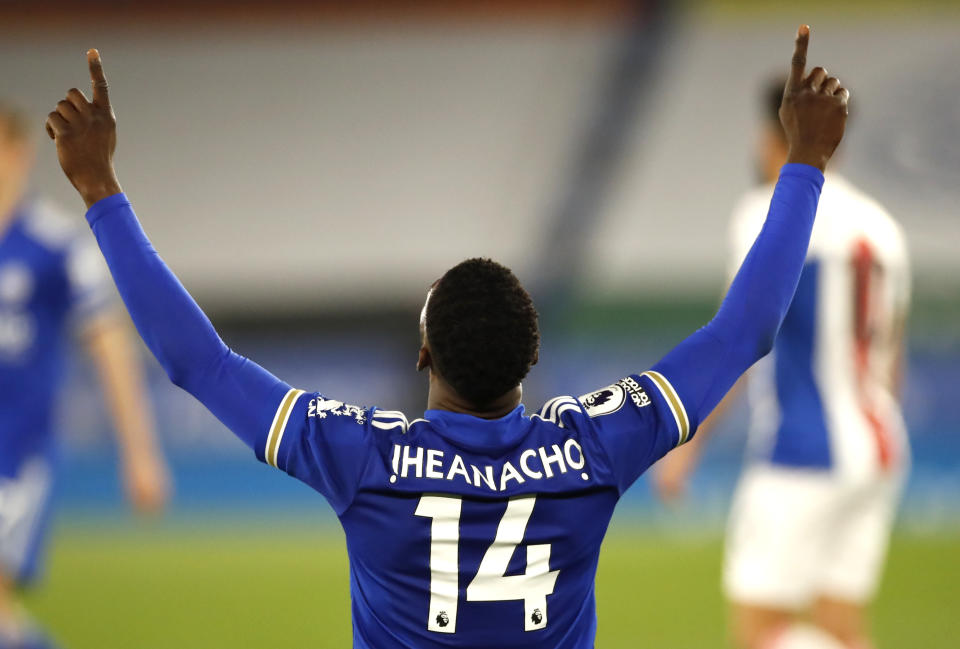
(796, 534)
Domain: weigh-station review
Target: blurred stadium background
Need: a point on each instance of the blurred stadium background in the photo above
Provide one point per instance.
(309, 168)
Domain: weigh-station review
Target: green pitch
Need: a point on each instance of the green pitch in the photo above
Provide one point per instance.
(286, 586)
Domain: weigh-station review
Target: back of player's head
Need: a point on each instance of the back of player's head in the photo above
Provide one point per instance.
(482, 330)
(14, 124)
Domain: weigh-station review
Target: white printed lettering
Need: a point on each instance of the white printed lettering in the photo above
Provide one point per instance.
(416, 461)
(509, 473)
(458, 468)
(568, 446)
(524, 457)
(434, 462)
(396, 457)
(547, 460)
(487, 477)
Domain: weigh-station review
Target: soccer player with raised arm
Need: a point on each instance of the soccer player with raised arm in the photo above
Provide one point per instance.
(475, 525)
(53, 288)
(827, 451)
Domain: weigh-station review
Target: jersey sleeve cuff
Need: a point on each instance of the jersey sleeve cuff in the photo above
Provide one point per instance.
(800, 170)
(673, 403)
(106, 205)
(268, 444)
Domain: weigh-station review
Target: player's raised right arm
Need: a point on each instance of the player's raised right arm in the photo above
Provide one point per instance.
(241, 394)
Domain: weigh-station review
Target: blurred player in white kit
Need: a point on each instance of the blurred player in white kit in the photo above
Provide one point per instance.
(827, 451)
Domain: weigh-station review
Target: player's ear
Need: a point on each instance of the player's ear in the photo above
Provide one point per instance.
(423, 360)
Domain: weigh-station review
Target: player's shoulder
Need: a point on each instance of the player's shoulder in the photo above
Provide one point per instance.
(393, 421)
(554, 410)
(325, 412)
(49, 226)
(321, 408)
(571, 412)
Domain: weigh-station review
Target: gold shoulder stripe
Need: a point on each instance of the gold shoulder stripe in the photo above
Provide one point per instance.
(279, 424)
(676, 406)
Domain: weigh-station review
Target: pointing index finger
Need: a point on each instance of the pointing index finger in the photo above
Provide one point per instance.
(101, 96)
(798, 63)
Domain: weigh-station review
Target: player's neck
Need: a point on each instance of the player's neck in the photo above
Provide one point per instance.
(444, 397)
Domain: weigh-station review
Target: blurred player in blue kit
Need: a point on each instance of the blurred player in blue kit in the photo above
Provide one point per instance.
(474, 525)
(52, 284)
(827, 451)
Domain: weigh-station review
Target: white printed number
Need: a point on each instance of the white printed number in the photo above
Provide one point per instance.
(491, 583)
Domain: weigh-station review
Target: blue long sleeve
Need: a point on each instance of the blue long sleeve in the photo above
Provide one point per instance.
(705, 366)
(240, 393)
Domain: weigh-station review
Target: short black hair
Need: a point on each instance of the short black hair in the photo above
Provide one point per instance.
(482, 329)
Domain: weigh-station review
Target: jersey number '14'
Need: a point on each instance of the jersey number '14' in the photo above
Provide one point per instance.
(491, 583)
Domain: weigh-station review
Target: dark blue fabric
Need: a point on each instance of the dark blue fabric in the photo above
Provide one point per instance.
(802, 438)
(555, 460)
(375, 469)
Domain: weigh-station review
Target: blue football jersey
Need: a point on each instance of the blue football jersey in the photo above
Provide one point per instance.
(467, 532)
(51, 278)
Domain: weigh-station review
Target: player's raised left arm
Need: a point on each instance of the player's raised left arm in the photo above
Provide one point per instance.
(241, 394)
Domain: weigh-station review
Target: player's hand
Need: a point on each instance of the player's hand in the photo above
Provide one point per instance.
(814, 109)
(146, 480)
(86, 135)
